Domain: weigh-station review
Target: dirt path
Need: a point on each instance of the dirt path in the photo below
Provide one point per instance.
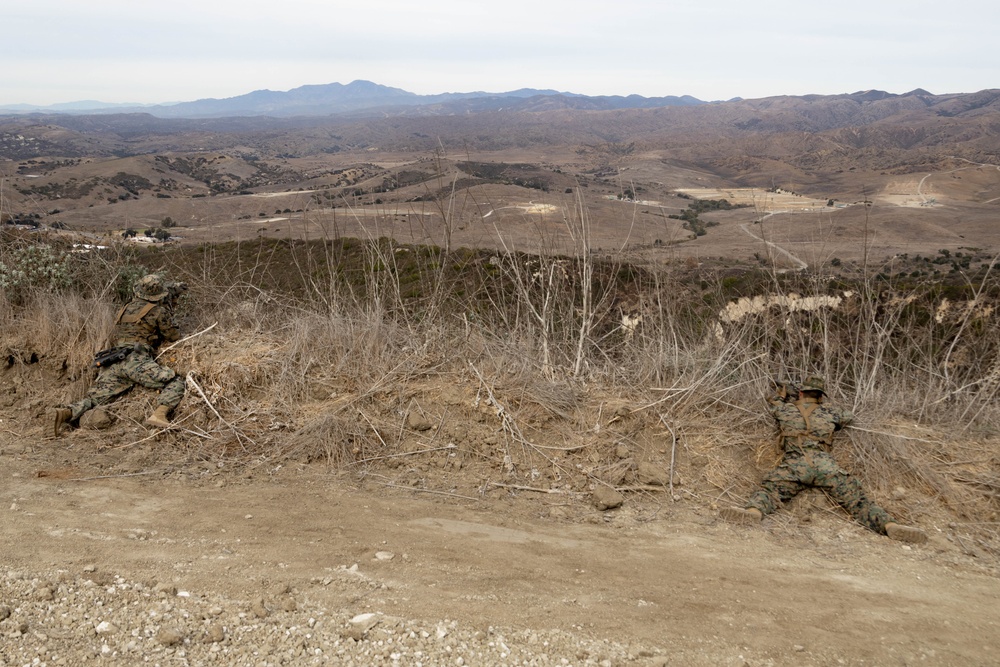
(665, 577)
(925, 201)
(799, 264)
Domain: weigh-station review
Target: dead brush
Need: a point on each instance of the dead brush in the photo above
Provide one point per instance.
(69, 327)
(251, 368)
(560, 399)
(727, 479)
(889, 459)
(333, 439)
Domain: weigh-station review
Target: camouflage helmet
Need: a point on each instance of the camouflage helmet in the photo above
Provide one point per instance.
(813, 383)
(151, 287)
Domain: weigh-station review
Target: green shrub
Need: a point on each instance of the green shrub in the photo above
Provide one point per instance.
(33, 267)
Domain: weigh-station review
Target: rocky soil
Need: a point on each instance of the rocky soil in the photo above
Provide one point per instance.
(303, 567)
(60, 618)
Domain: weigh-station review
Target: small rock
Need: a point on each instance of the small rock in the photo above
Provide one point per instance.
(44, 594)
(647, 473)
(360, 625)
(165, 588)
(4, 612)
(258, 609)
(169, 636)
(105, 628)
(288, 604)
(606, 498)
(90, 568)
(214, 634)
(417, 422)
(97, 419)
(101, 578)
(798, 648)
(384, 555)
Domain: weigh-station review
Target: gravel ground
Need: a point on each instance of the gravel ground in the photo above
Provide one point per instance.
(59, 618)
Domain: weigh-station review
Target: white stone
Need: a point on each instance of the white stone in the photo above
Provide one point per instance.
(104, 627)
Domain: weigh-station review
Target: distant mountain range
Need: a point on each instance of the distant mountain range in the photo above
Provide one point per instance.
(82, 106)
(364, 98)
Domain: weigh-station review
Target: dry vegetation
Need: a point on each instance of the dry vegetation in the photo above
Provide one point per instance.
(456, 372)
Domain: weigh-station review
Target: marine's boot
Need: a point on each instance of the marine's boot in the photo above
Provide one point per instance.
(750, 516)
(902, 533)
(59, 417)
(160, 417)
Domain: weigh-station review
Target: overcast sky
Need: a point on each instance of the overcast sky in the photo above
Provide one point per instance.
(152, 52)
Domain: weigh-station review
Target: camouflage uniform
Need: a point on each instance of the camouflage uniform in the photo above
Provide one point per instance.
(807, 430)
(143, 325)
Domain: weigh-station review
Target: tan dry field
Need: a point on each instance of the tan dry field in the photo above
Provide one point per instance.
(915, 213)
(492, 216)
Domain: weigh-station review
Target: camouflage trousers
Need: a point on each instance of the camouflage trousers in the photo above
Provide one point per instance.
(138, 368)
(818, 469)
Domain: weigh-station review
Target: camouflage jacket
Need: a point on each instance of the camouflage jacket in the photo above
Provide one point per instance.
(145, 322)
(804, 427)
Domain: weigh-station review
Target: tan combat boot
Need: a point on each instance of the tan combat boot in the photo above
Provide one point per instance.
(902, 533)
(59, 417)
(160, 417)
(747, 517)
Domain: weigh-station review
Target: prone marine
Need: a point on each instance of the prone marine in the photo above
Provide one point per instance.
(807, 426)
(141, 326)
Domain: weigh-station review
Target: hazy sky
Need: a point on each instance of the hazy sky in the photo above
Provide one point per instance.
(148, 52)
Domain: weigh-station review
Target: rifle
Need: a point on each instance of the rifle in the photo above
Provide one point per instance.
(111, 356)
(174, 292)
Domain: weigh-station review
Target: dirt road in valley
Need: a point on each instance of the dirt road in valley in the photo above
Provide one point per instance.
(667, 579)
(799, 264)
